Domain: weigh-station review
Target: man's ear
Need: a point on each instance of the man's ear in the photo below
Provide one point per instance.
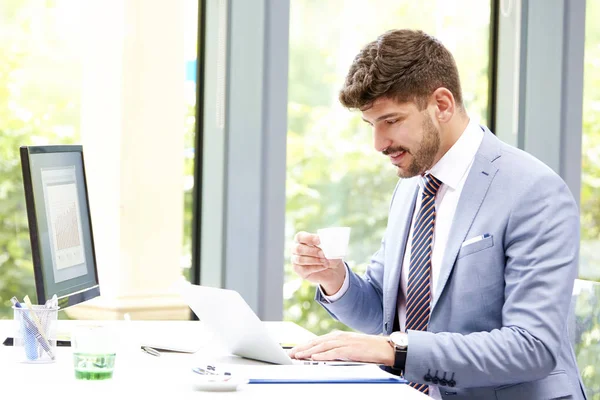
(445, 106)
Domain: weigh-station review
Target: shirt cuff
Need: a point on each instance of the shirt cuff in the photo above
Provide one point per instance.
(339, 293)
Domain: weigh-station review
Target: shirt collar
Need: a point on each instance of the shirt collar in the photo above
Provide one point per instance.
(453, 165)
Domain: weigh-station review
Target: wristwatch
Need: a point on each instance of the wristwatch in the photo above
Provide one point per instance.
(399, 342)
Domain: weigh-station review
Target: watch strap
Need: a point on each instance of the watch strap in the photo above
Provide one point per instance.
(399, 358)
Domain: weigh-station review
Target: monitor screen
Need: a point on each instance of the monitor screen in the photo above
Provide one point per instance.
(60, 227)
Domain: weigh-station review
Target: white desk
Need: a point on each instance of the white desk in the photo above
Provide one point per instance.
(148, 376)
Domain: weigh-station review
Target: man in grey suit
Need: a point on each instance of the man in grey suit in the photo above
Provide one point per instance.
(469, 292)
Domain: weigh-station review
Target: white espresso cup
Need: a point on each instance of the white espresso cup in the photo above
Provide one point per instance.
(334, 242)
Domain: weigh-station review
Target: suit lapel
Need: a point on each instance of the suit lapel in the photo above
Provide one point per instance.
(474, 191)
(401, 220)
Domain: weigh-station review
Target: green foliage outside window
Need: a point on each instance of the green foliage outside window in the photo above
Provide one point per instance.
(587, 308)
(587, 337)
(38, 104)
(40, 88)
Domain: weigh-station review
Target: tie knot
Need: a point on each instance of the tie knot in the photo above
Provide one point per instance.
(432, 184)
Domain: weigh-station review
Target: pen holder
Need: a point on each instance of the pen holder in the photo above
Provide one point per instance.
(35, 334)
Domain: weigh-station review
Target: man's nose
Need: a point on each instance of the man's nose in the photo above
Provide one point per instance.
(380, 142)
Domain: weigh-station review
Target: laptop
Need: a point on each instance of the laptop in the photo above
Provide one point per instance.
(230, 318)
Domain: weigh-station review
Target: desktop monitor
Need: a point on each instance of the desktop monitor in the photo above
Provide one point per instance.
(60, 226)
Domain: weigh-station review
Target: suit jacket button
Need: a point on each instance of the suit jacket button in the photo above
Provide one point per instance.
(451, 382)
(443, 381)
(435, 379)
(427, 377)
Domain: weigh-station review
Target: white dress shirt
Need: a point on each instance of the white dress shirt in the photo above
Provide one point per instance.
(452, 169)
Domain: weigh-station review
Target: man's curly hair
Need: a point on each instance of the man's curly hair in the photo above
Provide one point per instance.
(405, 65)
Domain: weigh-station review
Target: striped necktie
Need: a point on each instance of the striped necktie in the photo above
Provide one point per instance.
(418, 296)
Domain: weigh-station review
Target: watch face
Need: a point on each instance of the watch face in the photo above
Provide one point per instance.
(400, 339)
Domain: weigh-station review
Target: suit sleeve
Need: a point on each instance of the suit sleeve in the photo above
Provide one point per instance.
(541, 248)
(361, 306)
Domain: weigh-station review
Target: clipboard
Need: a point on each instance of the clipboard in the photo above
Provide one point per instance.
(328, 381)
(315, 374)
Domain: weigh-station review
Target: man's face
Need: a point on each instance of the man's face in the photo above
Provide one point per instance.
(404, 134)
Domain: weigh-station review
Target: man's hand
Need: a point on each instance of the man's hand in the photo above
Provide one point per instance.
(347, 346)
(310, 263)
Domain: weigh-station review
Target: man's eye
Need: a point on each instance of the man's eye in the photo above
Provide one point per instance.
(391, 121)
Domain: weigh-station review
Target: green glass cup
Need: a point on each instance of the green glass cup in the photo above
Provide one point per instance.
(94, 352)
(94, 367)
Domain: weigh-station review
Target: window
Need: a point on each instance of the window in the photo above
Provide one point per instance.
(66, 79)
(590, 183)
(40, 102)
(587, 312)
(334, 177)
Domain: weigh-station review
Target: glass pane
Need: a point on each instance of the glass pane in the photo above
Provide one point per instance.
(590, 182)
(334, 176)
(587, 312)
(191, 53)
(584, 328)
(43, 50)
(40, 92)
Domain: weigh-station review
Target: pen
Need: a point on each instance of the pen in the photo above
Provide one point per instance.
(32, 328)
(34, 317)
(151, 351)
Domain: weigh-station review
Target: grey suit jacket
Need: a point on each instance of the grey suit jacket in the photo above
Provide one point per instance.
(498, 323)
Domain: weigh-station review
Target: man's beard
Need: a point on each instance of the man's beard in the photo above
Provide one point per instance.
(423, 158)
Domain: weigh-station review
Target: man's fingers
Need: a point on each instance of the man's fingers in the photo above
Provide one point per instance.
(307, 238)
(301, 349)
(307, 260)
(328, 347)
(311, 343)
(330, 355)
(308, 270)
(305, 250)
(319, 340)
